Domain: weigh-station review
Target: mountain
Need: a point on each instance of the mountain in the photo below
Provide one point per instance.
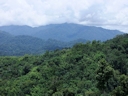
(18, 30)
(20, 45)
(20, 40)
(63, 32)
(23, 44)
(91, 69)
(4, 36)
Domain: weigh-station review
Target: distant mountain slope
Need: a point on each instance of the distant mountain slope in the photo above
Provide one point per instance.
(23, 44)
(70, 32)
(4, 36)
(63, 32)
(18, 30)
(20, 45)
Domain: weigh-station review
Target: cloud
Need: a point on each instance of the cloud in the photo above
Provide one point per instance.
(111, 14)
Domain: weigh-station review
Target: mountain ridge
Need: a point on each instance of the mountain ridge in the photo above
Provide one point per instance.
(63, 32)
(24, 44)
(20, 40)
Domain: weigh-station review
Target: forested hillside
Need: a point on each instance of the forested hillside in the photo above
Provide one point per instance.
(92, 69)
(4, 36)
(11, 45)
(63, 32)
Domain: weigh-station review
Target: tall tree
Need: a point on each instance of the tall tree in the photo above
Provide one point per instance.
(104, 73)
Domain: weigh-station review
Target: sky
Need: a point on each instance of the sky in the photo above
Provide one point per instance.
(110, 14)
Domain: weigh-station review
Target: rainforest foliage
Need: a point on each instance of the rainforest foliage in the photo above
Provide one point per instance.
(92, 69)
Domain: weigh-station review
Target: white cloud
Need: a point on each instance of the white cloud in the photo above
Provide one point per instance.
(106, 13)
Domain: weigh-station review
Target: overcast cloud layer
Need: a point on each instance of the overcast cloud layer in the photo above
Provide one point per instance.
(111, 14)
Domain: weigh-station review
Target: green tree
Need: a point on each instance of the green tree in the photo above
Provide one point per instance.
(104, 73)
(122, 88)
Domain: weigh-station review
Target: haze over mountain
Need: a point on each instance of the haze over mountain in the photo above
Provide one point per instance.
(63, 32)
(23, 44)
(20, 40)
(4, 36)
